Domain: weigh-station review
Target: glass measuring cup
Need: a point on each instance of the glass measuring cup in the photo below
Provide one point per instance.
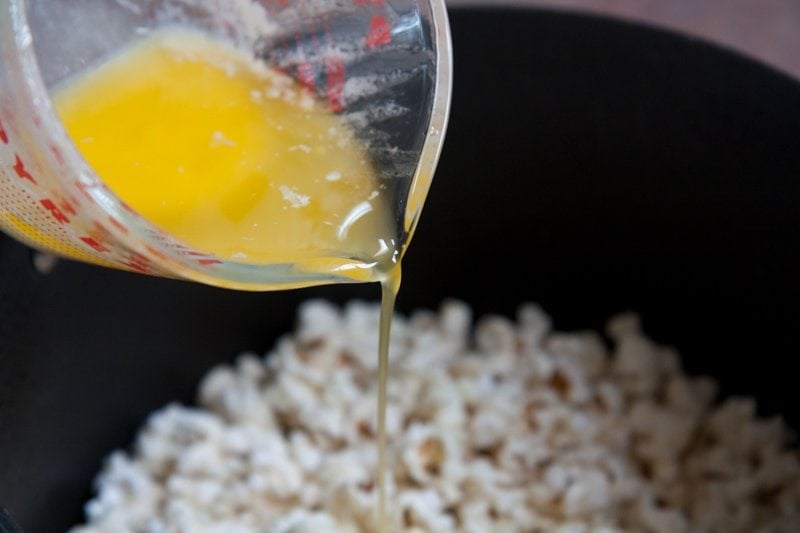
(383, 65)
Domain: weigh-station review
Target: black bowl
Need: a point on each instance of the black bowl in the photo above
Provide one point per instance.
(590, 165)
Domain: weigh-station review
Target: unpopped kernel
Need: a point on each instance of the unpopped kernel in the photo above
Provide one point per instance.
(504, 426)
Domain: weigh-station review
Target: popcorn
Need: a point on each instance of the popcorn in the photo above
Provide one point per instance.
(496, 335)
(582, 350)
(300, 521)
(424, 454)
(502, 427)
(423, 510)
(534, 324)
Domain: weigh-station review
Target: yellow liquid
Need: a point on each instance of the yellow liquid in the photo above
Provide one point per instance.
(229, 156)
(237, 161)
(390, 285)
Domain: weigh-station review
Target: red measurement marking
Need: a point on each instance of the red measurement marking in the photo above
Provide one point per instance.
(98, 229)
(67, 207)
(19, 168)
(139, 258)
(334, 72)
(117, 224)
(94, 244)
(205, 262)
(3, 134)
(84, 190)
(128, 208)
(144, 269)
(54, 210)
(305, 75)
(379, 32)
(57, 154)
(155, 252)
(136, 262)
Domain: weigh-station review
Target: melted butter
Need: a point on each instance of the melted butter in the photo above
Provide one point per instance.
(231, 157)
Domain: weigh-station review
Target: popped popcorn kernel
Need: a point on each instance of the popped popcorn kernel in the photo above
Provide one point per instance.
(504, 426)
